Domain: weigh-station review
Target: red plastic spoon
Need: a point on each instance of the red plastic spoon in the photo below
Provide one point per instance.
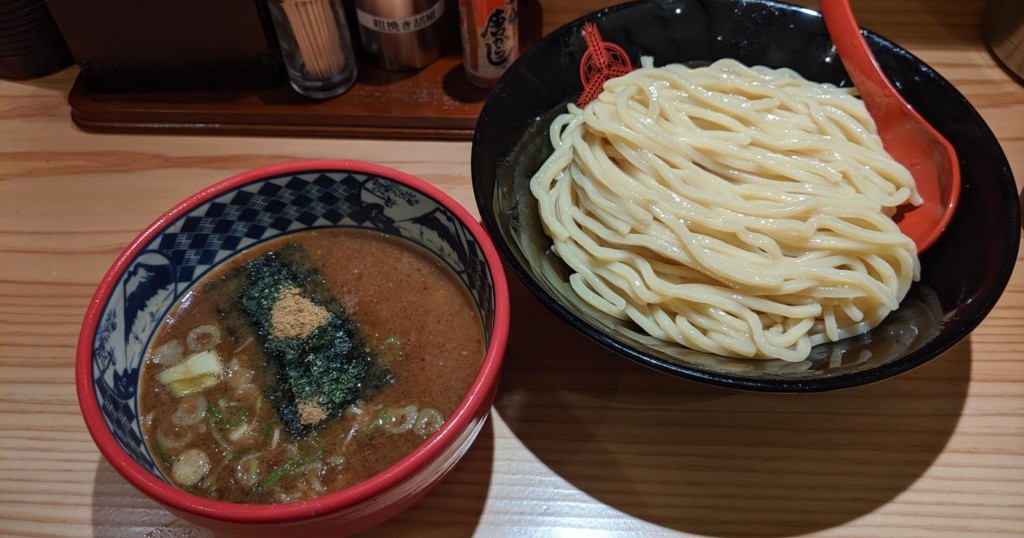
(905, 134)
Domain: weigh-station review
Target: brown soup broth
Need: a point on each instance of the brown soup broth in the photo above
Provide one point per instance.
(408, 306)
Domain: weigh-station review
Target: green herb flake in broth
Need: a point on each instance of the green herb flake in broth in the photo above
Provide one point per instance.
(278, 473)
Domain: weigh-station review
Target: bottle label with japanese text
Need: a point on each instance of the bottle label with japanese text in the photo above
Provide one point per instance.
(490, 36)
(386, 25)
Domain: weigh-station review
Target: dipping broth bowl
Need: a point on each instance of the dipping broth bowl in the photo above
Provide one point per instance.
(207, 229)
(963, 274)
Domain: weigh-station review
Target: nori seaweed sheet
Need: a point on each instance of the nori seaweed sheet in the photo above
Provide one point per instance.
(332, 366)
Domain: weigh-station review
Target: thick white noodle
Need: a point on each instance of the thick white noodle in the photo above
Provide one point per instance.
(742, 211)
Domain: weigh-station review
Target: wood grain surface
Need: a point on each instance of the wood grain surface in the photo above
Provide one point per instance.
(580, 442)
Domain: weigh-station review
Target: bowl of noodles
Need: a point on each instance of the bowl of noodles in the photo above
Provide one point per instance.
(696, 186)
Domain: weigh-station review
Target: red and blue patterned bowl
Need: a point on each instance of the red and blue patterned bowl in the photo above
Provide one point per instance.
(213, 225)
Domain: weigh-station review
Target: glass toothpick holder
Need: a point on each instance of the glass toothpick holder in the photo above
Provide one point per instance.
(317, 48)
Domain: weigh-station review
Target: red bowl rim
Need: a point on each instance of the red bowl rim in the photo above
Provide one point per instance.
(280, 513)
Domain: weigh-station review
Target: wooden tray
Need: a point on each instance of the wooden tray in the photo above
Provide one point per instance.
(436, 102)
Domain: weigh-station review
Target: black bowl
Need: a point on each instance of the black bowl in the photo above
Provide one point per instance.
(963, 274)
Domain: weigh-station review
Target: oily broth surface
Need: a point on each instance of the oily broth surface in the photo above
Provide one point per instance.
(392, 289)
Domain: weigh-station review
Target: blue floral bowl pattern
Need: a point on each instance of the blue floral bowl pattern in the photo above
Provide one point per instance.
(180, 248)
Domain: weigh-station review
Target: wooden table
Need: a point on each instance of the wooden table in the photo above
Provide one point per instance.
(580, 442)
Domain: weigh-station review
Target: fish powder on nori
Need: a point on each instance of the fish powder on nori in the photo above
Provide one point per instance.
(321, 367)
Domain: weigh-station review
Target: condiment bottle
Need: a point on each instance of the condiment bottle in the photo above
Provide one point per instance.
(490, 39)
(401, 35)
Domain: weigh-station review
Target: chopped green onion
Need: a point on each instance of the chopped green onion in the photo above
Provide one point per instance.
(382, 417)
(242, 417)
(266, 436)
(232, 454)
(284, 469)
(214, 413)
(391, 349)
(162, 455)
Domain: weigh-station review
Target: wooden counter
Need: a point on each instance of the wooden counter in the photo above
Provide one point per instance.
(580, 442)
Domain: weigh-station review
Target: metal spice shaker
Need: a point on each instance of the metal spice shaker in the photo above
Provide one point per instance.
(401, 35)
